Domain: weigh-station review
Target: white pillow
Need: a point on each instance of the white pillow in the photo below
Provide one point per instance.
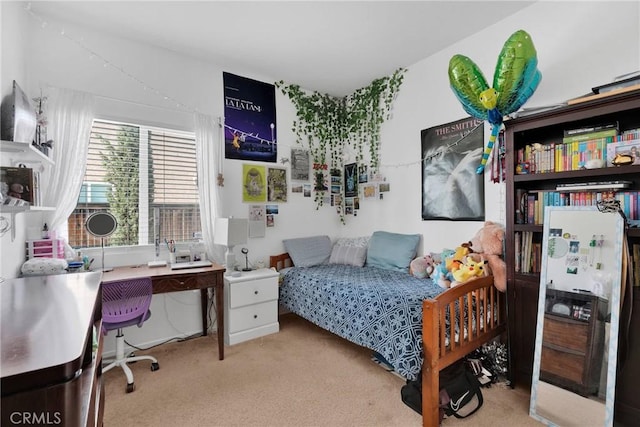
(350, 251)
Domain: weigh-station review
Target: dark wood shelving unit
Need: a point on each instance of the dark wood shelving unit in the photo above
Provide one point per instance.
(523, 289)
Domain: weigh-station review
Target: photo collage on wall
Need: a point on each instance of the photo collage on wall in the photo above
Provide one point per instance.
(250, 135)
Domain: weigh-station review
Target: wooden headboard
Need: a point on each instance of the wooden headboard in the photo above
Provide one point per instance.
(280, 261)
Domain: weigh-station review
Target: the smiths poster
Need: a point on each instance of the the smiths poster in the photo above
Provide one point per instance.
(249, 119)
(451, 188)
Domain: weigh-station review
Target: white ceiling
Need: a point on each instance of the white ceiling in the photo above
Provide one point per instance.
(334, 47)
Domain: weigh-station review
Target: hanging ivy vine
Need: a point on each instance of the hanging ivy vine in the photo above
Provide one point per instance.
(327, 124)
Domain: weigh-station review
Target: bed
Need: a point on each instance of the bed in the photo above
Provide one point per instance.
(406, 320)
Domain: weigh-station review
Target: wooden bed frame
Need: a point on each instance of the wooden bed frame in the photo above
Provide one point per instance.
(438, 353)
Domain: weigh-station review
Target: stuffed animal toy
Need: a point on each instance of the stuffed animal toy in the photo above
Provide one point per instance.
(422, 267)
(440, 273)
(469, 269)
(488, 243)
(461, 251)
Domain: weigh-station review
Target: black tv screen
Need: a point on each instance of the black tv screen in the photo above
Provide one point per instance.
(18, 117)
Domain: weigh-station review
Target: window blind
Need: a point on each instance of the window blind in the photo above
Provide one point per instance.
(146, 177)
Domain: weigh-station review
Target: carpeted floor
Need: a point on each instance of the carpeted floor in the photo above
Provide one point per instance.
(301, 376)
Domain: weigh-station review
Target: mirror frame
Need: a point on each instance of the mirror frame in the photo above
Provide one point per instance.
(614, 303)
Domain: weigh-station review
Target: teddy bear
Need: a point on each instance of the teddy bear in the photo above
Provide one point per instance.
(488, 244)
(422, 267)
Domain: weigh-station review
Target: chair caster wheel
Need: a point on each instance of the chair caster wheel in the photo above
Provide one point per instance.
(130, 387)
(154, 366)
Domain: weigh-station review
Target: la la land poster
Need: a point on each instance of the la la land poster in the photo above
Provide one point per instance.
(249, 119)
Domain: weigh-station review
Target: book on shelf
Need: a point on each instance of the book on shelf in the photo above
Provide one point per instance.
(591, 129)
(587, 136)
(617, 84)
(533, 202)
(636, 264)
(581, 186)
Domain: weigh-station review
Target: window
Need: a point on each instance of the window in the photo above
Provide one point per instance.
(146, 177)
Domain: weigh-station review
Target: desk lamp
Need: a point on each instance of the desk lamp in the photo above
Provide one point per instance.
(230, 232)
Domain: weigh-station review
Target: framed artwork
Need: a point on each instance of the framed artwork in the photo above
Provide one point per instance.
(254, 188)
(630, 149)
(363, 175)
(16, 186)
(249, 119)
(276, 185)
(299, 164)
(451, 188)
(351, 180)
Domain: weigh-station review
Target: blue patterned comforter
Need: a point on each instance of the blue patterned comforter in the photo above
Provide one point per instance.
(375, 308)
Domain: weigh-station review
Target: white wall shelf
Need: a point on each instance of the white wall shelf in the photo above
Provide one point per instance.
(13, 210)
(25, 152)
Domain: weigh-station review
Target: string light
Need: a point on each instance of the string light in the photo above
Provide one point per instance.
(106, 63)
(92, 55)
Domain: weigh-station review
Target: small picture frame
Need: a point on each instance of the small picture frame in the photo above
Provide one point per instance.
(629, 148)
(17, 186)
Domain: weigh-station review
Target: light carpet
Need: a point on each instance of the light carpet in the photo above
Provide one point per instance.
(301, 376)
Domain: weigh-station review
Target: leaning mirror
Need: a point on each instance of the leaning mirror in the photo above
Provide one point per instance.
(576, 345)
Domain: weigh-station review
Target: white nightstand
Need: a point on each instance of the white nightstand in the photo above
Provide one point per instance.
(251, 305)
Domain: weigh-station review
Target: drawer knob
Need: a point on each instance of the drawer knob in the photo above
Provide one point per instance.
(255, 316)
(255, 292)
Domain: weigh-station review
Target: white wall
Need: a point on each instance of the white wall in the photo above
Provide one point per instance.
(13, 66)
(577, 49)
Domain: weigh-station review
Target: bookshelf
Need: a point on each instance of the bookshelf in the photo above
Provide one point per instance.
(524, 219)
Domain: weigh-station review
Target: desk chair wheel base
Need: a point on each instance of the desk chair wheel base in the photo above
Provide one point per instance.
(124, 304)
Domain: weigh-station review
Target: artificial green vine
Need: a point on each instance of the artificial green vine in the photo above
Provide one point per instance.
(327, 123)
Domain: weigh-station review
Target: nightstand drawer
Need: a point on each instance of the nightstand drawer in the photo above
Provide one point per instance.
(253, 316)
(253, 292)
(566, 333)
(565, 365)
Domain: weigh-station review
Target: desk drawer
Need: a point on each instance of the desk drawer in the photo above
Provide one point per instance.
(183, 282)
(253, 292)
(253, 316)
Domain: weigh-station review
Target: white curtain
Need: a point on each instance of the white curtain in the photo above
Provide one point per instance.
(208, 161)
(69, 126)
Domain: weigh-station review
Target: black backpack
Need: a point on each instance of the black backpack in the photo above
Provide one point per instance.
(460, 393)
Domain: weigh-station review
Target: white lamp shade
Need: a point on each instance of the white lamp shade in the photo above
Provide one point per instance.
(231, 231)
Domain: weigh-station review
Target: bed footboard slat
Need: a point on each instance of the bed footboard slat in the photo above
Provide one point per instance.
(481, 317)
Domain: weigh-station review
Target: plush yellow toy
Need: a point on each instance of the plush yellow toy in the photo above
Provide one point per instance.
(469, 269)
(454, 262)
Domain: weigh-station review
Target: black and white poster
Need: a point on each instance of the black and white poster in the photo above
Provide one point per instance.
(451, 188)
(249, 119)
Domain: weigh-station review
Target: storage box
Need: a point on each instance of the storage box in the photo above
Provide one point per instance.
(45, 248)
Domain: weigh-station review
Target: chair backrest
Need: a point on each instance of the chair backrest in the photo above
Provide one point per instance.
(126, 300)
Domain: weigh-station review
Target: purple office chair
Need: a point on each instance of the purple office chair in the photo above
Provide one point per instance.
(126, 303)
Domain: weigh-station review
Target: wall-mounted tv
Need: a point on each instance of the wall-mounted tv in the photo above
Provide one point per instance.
(17, 117)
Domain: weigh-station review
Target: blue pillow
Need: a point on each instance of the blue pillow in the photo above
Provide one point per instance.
(392, 251)
(308, 251)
